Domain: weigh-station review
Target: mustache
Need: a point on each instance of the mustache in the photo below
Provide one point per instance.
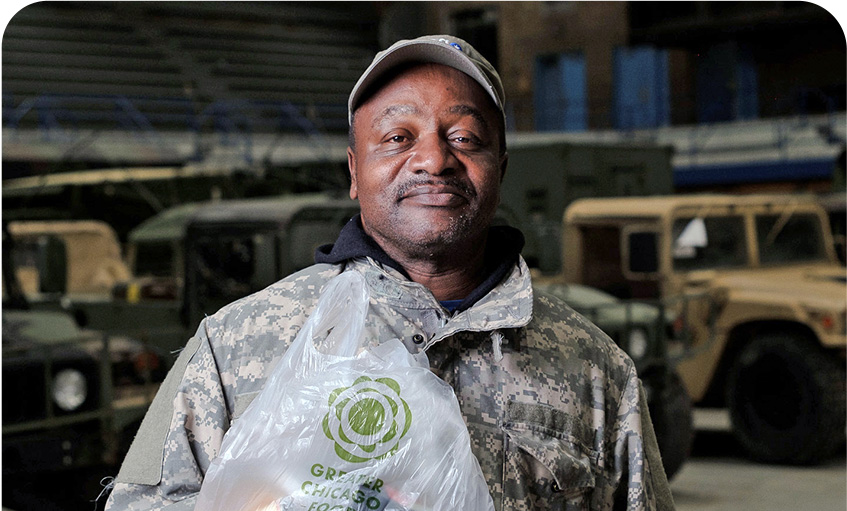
(456, 183)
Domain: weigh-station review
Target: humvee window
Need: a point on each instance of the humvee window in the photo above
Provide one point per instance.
(794, 239)
(225, 267)
(155, 259)
(708, 242)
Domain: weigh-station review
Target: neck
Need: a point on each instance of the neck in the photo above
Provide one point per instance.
(448, 277)
(453, 283)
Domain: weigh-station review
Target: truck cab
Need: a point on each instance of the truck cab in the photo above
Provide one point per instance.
(191, 260)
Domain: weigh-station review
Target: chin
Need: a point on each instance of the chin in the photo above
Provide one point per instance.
(432, 240)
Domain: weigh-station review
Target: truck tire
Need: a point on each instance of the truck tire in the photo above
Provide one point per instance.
(671, 413)
(786, 399)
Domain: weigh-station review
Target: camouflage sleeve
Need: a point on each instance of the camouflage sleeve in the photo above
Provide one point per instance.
(180, 435)
(644, 485)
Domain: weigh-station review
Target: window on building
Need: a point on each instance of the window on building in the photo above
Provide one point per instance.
(479, 27)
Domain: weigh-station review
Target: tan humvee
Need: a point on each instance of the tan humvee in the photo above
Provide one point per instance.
(93, 252)
(757, 285)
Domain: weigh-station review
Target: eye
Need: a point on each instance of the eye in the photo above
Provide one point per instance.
(466, 140)
(397, 139)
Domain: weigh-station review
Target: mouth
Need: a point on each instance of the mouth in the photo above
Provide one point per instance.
(435, 195)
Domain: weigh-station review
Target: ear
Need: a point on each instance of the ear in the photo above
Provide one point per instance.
(351, 165)
(504, 161)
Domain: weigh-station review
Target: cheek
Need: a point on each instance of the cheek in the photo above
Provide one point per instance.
(373, 191)
(367, 185)
(487, 180)
(379, 176)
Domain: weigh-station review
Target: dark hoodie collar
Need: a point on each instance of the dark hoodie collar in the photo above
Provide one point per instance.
(501, 253)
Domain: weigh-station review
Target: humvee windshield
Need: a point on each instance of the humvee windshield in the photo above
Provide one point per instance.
(789, 239)
(701, 243)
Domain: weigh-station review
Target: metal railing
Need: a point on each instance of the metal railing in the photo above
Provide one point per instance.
(66, 118)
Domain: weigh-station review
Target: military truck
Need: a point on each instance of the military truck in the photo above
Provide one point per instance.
(756, 282)
(190, 260)
(72, 397)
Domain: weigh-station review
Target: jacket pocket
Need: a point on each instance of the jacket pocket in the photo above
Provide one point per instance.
(545, 466)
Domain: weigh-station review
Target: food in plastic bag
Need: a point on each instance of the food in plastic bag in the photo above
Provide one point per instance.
(347, 424)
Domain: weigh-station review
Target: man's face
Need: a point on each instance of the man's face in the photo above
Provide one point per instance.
(426, 164)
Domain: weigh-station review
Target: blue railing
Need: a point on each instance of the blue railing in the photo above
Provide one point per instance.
(61, 117)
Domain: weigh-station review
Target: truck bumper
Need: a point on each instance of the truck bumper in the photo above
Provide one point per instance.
(59, 449)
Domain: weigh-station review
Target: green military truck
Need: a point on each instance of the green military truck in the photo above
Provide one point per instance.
(192, 259)
(755, 282)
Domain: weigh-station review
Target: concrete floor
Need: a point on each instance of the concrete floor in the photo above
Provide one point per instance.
(719, 478)
(738, 485)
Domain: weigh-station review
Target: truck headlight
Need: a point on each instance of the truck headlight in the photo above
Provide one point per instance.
(637, 343)
(69, 389)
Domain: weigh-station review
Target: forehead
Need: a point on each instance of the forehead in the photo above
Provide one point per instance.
(424, 88)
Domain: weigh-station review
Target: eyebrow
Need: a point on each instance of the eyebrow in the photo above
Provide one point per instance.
(471, 111)
(392, 111)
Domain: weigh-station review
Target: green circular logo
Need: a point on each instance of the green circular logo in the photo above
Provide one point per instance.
(367, 419)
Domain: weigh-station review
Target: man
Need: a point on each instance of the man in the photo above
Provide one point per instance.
(555, 411)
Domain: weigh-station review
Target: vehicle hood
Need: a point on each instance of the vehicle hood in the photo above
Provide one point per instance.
(33, 328)
(603, 309)
(823, 286)
(621, 314)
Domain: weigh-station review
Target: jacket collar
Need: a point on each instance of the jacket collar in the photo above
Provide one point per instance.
(501, 253)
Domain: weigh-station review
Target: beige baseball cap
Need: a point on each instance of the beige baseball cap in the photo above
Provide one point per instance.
(439, 49)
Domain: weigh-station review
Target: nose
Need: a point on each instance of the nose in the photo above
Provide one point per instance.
(434, 156)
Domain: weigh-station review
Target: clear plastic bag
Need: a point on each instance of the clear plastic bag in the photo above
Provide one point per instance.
(344, 426)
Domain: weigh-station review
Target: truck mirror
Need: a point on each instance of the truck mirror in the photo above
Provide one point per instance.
(643, 251)
(52, 265)
(692, 237)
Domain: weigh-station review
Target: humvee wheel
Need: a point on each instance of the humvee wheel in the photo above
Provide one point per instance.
(786, 400)
(670, 411)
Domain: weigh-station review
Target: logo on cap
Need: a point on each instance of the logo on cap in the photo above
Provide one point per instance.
(454, 45)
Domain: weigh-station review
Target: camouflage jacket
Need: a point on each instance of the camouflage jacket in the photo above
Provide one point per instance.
(555, 411)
